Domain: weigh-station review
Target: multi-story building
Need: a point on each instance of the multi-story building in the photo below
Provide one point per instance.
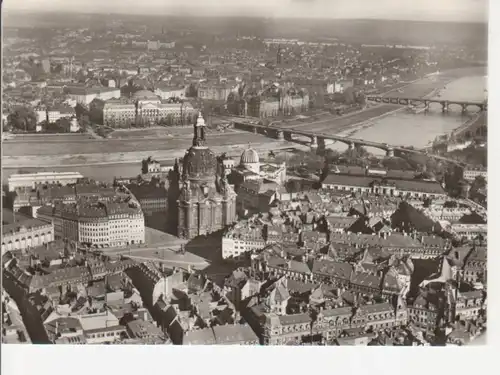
(85, 95)
(446, 213)
(388, 187)
(119, 113)
(378, 316)
(241, 239)
(424, 312)
(342, 85)
(468, 305)
(475, 266)
(52, 194)
(294, 102)
(151, 197)
(329, 324)
(215, 91)
(102, 224)
(256, 196)
(470, 231)
(25, 234)
(145, 107)
(470, 174)
(41, 114)
(59, 112)
(168, 92)
(272, 103)
(262, 107)
(32, 180)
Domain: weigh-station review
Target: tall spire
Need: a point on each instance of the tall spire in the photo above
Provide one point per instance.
(199, 132)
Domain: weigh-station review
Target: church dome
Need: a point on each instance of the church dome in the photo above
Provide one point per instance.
(249, 156)
(199, 164)
(144, 94)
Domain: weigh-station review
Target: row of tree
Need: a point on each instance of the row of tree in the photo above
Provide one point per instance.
(21, 119)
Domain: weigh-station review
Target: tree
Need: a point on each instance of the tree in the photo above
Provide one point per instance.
(349, 96)
(23, 119)
(478, 184)
(361, 99)
(191, 91)
(84, 122)
(169, 119)
(6, 126)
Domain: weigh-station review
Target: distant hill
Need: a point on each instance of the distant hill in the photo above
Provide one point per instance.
(352, 30)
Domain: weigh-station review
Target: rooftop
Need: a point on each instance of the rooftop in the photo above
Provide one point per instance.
(233, 334)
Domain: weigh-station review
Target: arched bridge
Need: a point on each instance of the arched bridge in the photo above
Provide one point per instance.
(445, 104)
(318, 139)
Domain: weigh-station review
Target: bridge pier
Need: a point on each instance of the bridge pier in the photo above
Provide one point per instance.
(321, 143)
(254, 130)
(445, 106)
(288, 136)
(464, 108)
(351, 145)
(279, 135)
(314, 142)
(389, 152)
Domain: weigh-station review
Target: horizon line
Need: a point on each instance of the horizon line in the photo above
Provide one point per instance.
(197, 15)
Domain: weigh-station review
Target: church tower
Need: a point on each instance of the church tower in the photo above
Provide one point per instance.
(204, 205)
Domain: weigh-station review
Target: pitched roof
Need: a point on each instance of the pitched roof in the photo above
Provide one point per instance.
(199, 337)
(279, 294)
(234, 333)
(340, 222)
(377, 308)
(337, 311)
(330, 268)
(294, 319)
(365, 279)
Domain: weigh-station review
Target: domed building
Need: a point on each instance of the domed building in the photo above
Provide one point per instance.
(251, 168)
(250, 160)
(206, 202)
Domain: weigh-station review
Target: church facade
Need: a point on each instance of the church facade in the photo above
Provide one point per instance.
(206, 201)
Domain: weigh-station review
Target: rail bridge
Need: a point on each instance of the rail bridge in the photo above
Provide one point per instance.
(445, 104)
(318, 139)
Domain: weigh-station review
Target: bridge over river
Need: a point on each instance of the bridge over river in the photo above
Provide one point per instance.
(445, 104)
(318, 139)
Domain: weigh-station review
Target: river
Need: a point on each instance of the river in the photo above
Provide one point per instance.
(401, 128)
(419, 130)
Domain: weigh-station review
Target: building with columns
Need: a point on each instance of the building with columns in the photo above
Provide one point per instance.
(145, 107)
(25, 234)
(206, 202)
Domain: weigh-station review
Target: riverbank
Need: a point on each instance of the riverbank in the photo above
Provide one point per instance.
(420, 130)
(99, 159)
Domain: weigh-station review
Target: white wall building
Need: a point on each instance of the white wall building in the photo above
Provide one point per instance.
(85, 95)
(167, 92)
(31, 180)
(28, 233)
(239, 240)
(471, 174)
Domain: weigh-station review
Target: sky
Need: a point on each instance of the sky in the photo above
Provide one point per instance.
(421, 10)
